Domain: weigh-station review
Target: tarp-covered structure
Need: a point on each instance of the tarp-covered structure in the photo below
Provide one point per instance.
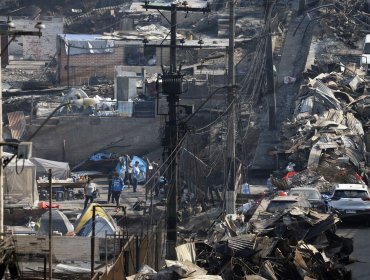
(59, 170)
(20, 183)
(142, 166)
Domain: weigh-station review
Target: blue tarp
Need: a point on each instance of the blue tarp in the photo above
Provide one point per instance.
(142, 165)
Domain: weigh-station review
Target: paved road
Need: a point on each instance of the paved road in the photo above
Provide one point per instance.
(361, 238)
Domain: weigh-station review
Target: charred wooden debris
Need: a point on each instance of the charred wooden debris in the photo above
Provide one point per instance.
(326, 139)
(345, 20)
(288, 245)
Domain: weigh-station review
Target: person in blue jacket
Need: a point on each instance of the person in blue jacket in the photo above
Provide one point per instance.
(117, 187)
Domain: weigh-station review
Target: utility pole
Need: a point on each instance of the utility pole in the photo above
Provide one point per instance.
(173, 99)
(301, 6)
(172, 88)
(230, 160)
(269, 65)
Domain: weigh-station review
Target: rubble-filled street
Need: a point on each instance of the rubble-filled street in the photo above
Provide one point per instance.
(165, 140)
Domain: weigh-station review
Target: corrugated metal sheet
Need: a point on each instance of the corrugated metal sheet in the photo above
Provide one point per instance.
(314, 158)
(17, 124)
(354, 124)
(186, 252)
(239, 246)
(327, 96)
(334, 115)
(354, 149)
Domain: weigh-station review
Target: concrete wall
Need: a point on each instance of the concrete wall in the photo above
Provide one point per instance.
(33, 47)
(83, 135)
(126, 88)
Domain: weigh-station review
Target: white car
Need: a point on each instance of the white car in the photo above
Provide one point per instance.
(282, 203)
(351, 200)
(312, 195)
(365, 58)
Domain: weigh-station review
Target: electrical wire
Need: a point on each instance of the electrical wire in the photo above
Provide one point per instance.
(16, 167)
(218, 118)
(172, 155)
(204, 102)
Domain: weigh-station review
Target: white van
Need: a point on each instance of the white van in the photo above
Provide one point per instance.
(365, 58)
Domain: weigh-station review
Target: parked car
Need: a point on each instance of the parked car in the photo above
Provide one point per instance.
(351, 200)
(312, 195)
(365, 58)
(281, 203)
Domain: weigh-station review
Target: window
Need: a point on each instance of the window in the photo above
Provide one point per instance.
(308, 194)
(139, 56)
(351, 194)
(275, 206)
(367, 48)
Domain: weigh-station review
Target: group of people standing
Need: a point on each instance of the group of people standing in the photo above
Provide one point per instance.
(116, 186)
(124, 174)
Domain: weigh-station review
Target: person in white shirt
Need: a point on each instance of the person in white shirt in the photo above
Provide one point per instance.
(129, 168)
(89, 191)
(135, 175)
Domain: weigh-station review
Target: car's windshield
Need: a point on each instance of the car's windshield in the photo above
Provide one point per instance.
(308, 194)
(367, 48)
(351, 194)
(280, 205)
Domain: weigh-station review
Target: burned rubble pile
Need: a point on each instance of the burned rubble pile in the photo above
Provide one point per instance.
(288, 245)
(326, 136)
(346, 20)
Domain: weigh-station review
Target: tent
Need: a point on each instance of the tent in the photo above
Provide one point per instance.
(20, 183)
(59, 223)
(60, 170)
(102, 226)
(103, 222)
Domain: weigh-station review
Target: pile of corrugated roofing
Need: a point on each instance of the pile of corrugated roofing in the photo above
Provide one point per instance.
(325, 137)
(289, 245)
(293, 244)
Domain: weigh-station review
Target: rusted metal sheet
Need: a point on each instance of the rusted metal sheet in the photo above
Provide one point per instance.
(17, 124)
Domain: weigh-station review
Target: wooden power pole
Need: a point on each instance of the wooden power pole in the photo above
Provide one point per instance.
(269, 66)
(230, 160)
(172, 88)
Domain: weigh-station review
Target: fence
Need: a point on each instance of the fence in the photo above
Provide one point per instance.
(135, 253)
